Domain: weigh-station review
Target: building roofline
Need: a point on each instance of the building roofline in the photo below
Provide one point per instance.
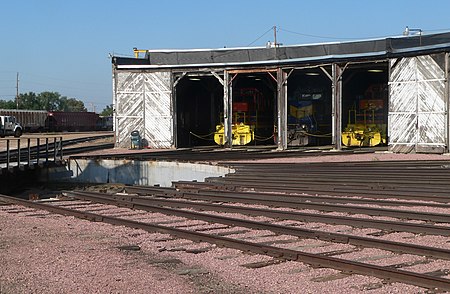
(311, 53)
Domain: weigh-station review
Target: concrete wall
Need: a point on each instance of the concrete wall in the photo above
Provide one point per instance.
(140, 172)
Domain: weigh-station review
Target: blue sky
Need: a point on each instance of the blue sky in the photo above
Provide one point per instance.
(63, 45)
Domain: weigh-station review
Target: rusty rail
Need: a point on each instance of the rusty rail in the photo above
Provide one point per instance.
(154, 205)
(417, 279)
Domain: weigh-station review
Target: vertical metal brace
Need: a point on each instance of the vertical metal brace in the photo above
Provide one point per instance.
(224, 84)
(282, 108)
(173, 109)
(227, 109)
(174, 80)
(336, 106)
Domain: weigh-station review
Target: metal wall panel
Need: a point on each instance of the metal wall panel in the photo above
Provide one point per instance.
(143, 103)
(417, 109)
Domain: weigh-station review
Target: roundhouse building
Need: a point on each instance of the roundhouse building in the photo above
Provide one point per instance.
(390, 91)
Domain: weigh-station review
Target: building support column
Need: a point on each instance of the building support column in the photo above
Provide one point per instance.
(227, 109)
(336, 99)
(282, 109)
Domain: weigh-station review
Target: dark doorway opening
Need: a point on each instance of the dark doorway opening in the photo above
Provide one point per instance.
(309, 108)
(365, 105)
(199, 106)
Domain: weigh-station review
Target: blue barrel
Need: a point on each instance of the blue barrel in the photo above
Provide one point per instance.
(136, 141)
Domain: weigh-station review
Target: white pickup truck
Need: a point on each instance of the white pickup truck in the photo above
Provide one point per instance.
(9, 126)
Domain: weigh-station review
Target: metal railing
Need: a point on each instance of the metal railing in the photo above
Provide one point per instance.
(32, 153)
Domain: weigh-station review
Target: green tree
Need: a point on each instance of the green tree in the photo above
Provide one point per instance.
(108, 111)
(49, 100)
(71, 104)
(7, 104)
(29, 101)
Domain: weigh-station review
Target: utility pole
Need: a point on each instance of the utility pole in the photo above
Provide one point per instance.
(275, 36)
(17, 91)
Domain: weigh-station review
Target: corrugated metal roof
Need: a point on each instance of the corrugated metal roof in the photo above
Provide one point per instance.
(312, 53)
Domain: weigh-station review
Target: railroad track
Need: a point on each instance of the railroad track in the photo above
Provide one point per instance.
(205, 230)
(237, 153)
(286, 207)
(407, 180)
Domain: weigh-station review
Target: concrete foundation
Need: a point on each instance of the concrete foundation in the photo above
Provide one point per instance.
(133, 172)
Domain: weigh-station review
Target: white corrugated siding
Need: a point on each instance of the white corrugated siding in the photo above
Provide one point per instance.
(417, 110)
(143, 103)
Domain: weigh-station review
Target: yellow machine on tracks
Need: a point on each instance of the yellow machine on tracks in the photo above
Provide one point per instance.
(242, 132)
(367, 131)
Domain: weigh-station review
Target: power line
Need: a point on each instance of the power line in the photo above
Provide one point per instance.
(327, 37)
(315, 36)
(62, 80)
(271, 28)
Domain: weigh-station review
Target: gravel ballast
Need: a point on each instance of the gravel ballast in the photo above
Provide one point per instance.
(47, 253)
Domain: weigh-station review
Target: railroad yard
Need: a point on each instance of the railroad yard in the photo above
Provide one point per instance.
(287, 222)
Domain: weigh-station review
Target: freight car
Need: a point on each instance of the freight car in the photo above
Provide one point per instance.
(30, 120)
(58, 121)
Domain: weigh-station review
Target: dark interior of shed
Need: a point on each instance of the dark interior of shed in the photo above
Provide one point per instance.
(199, 108)
(365, 104)
(254, 104)
(309, 108)
(199, 105)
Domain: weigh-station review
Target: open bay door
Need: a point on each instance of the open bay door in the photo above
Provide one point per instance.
(417, 104)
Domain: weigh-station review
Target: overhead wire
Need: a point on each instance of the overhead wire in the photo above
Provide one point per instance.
(261, 36)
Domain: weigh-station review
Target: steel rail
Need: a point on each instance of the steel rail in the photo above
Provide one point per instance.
(76, 150)
(157, 203)
(310, 217)
(407, 185)
(340, 191)
(371, 187)
(218, 154)
(299, 203)
(200, 187)
(338, 176)
(156, 206)
(422, 280)
(355, 164)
